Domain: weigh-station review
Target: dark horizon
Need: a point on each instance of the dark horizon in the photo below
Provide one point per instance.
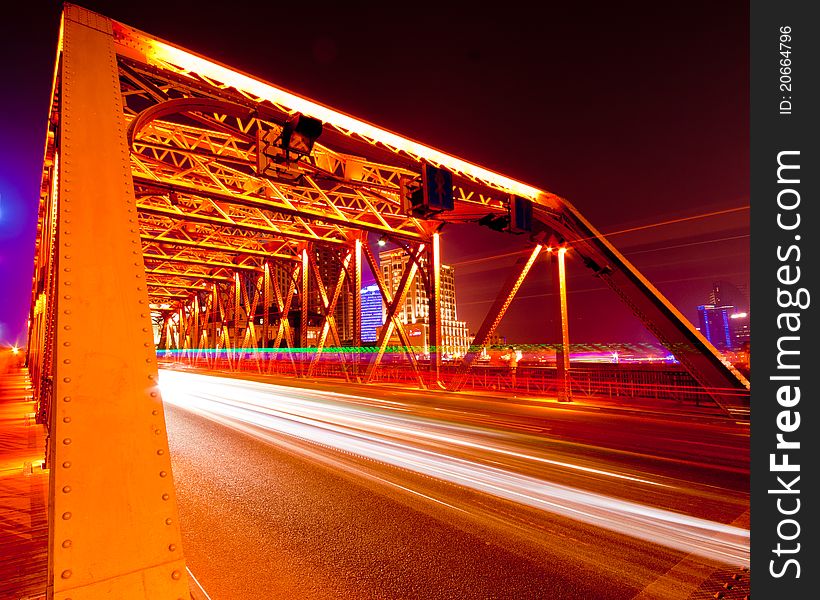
(637, 119)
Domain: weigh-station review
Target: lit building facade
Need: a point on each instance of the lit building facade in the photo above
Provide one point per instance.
(716, 325)
(416, 310)
(372, 312)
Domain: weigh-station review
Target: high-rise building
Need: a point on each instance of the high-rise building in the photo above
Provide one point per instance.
(455, 334)
(716, 326)
(372, 312)
(739, 324)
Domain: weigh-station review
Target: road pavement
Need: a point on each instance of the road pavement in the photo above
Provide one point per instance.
(349, 492)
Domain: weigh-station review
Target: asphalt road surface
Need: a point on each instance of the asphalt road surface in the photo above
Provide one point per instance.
(335, 491)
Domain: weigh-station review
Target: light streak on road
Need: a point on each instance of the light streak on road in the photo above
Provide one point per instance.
(342, 422)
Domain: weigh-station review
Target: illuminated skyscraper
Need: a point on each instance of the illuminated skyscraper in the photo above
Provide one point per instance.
(455, 334)
(715, 325)
(372, 312)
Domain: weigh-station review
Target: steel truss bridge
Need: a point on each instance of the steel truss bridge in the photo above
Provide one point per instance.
(181, 194)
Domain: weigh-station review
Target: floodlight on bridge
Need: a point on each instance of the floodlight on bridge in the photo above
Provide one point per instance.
(278, 149)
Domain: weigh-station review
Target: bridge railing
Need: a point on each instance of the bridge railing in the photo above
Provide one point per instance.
(588, 380)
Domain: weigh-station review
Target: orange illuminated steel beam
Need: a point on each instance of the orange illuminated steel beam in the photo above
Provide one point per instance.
(562, 355)
(113, 525)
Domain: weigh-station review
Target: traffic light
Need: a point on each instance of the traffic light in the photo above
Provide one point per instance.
(431, 194)
(517, 220)
(520, 215)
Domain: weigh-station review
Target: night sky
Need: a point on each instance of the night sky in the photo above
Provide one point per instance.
(638, 115)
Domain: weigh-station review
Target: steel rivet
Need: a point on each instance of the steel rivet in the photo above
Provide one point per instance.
(67, 399)
(67, 297)
(175, 575)
(155, 412)
(162, 473)
(145, 329)
(153, 394)
(67, 312)
(172, 547)
(67, 361)
(67, 464)
(67, 379)
(66, 419)
(156, 431)
(67, 327)
(66, 283)
(66, 574)
(160, 452)
(66, 544)
(66, 489)
(148, 360)
(66, 516)
(168, 521)
(67, 441)
(165, 496)
(66, 343)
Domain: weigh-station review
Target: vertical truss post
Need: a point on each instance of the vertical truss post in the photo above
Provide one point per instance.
(495, 314)
(304, 290)
(237, 298)
(265, 306)
(435, 341)
(559, 278)
(357, 306)
(113, 525)
(214, 316)
(193, 323)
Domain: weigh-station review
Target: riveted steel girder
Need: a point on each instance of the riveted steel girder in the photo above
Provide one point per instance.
(114, 529)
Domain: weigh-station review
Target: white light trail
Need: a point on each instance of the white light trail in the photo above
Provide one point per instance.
(324, 418)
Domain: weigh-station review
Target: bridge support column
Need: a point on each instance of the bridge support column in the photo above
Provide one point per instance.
(113, 526)
(559, 278)
(304, 304)
(357, 307)
(435, 340)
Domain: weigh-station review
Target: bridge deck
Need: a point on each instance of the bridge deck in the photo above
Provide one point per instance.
(23, 487)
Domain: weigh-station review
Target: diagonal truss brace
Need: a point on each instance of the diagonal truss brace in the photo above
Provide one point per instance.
(502, 302)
